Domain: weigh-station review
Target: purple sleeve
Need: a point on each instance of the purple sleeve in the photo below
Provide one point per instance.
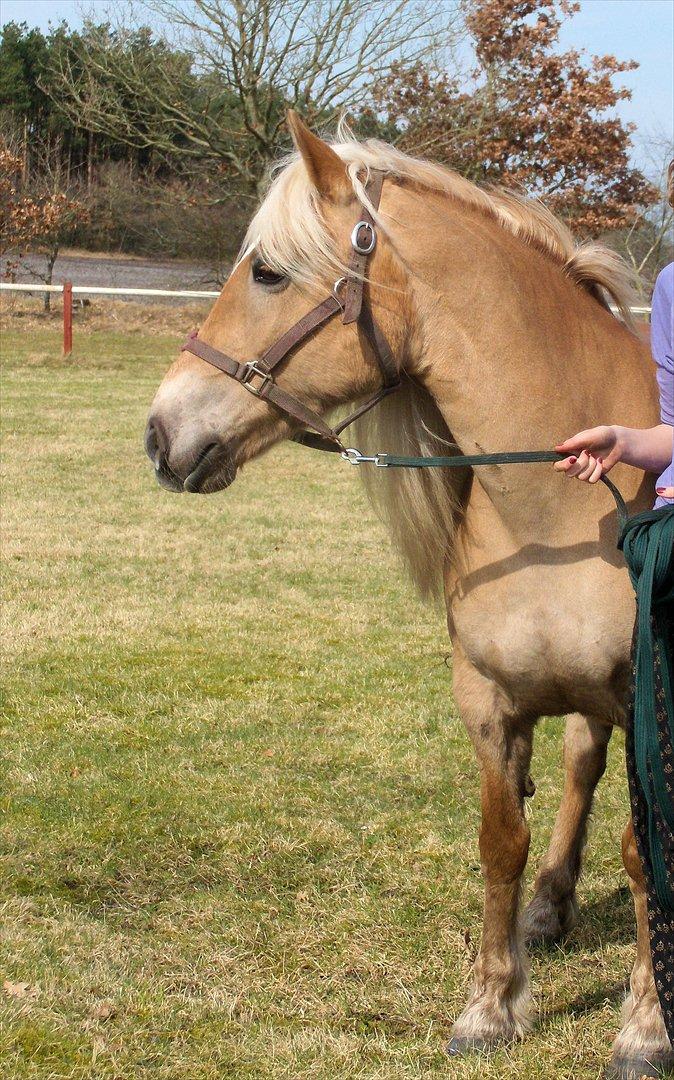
(662, 336)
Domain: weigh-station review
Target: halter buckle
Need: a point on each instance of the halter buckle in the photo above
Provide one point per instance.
(249, 371)
(363, 249)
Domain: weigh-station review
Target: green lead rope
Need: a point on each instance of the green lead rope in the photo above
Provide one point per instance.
(647, 542)
(462, 461)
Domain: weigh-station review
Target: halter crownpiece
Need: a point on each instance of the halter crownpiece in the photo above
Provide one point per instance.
(347, 298)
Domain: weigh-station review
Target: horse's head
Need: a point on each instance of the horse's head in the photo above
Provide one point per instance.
(203, 425)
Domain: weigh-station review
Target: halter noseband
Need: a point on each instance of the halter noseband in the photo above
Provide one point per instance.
(347, 299)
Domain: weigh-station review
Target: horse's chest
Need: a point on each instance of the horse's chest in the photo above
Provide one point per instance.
(555, 637)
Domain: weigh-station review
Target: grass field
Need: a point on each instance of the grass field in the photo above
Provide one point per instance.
(239, 811)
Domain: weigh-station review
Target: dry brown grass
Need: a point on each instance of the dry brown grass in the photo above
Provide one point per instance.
(24, 312)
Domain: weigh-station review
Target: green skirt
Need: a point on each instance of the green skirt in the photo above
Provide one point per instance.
(647, 541)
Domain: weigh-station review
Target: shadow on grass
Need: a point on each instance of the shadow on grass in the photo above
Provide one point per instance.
(586, 1003)
(610, 919)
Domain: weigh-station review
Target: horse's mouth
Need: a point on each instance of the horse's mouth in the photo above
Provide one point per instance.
(165, 476)
(213, 470)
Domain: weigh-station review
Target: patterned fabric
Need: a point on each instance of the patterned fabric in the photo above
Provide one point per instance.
(645, 817)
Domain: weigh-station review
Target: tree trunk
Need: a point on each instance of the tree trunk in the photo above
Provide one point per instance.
(51, 259)
(90, 163)
(24, 167)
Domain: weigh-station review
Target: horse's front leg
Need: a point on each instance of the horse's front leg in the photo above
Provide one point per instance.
(500, 1004)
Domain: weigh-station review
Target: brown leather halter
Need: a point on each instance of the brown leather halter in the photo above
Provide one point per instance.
(347, 299)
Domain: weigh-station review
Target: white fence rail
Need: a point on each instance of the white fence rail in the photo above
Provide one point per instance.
(187, 294)
(70, 290)
(104, 290)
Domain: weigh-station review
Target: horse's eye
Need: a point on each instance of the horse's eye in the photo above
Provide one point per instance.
(264, 275)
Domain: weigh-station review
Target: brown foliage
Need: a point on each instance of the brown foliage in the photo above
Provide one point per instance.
(26, 220)
(530, 116)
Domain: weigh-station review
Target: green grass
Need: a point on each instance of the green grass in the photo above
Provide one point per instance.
(239, 811)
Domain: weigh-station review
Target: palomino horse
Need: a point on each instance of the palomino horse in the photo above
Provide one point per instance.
(500, 328)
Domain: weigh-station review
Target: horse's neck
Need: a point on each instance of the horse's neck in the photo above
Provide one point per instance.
(518, 357)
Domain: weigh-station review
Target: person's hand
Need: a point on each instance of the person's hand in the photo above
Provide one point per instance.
(591, 453)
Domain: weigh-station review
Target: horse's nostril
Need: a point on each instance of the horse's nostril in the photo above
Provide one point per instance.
(150, 441)
(156, 442)
(157, 446)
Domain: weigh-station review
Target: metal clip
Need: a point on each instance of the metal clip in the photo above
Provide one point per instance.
(356, 458)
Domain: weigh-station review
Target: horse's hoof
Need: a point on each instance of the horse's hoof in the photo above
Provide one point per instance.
(633, 1068)
(545, 922)
(467, 1044)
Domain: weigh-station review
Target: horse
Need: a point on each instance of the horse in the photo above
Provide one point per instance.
(503, 337)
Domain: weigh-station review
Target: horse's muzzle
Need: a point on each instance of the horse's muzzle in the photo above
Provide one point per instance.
(210, 469)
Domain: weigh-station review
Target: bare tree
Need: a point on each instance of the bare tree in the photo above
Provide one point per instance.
(50, 183)
(40, 214)
(232, 67)
(649, 241)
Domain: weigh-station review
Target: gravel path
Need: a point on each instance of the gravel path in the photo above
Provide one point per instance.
(118, 273)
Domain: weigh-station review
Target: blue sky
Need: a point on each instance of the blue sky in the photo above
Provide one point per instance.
(641, 30)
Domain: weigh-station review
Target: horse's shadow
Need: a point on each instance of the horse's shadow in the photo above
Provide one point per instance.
(589, 1002)
(611, 919)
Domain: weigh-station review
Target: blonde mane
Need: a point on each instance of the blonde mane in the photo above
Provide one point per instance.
(419, 506)
(290, 234)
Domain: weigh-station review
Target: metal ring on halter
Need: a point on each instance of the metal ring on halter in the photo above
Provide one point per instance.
(249, 370)
(363, 249)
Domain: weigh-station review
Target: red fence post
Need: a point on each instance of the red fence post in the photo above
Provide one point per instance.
(67, 318)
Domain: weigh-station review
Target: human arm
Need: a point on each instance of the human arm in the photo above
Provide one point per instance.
(597, 450)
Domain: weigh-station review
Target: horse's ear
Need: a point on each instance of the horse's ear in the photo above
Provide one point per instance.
(326, 168)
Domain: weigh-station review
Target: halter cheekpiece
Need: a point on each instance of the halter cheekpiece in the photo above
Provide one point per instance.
(346, 299)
